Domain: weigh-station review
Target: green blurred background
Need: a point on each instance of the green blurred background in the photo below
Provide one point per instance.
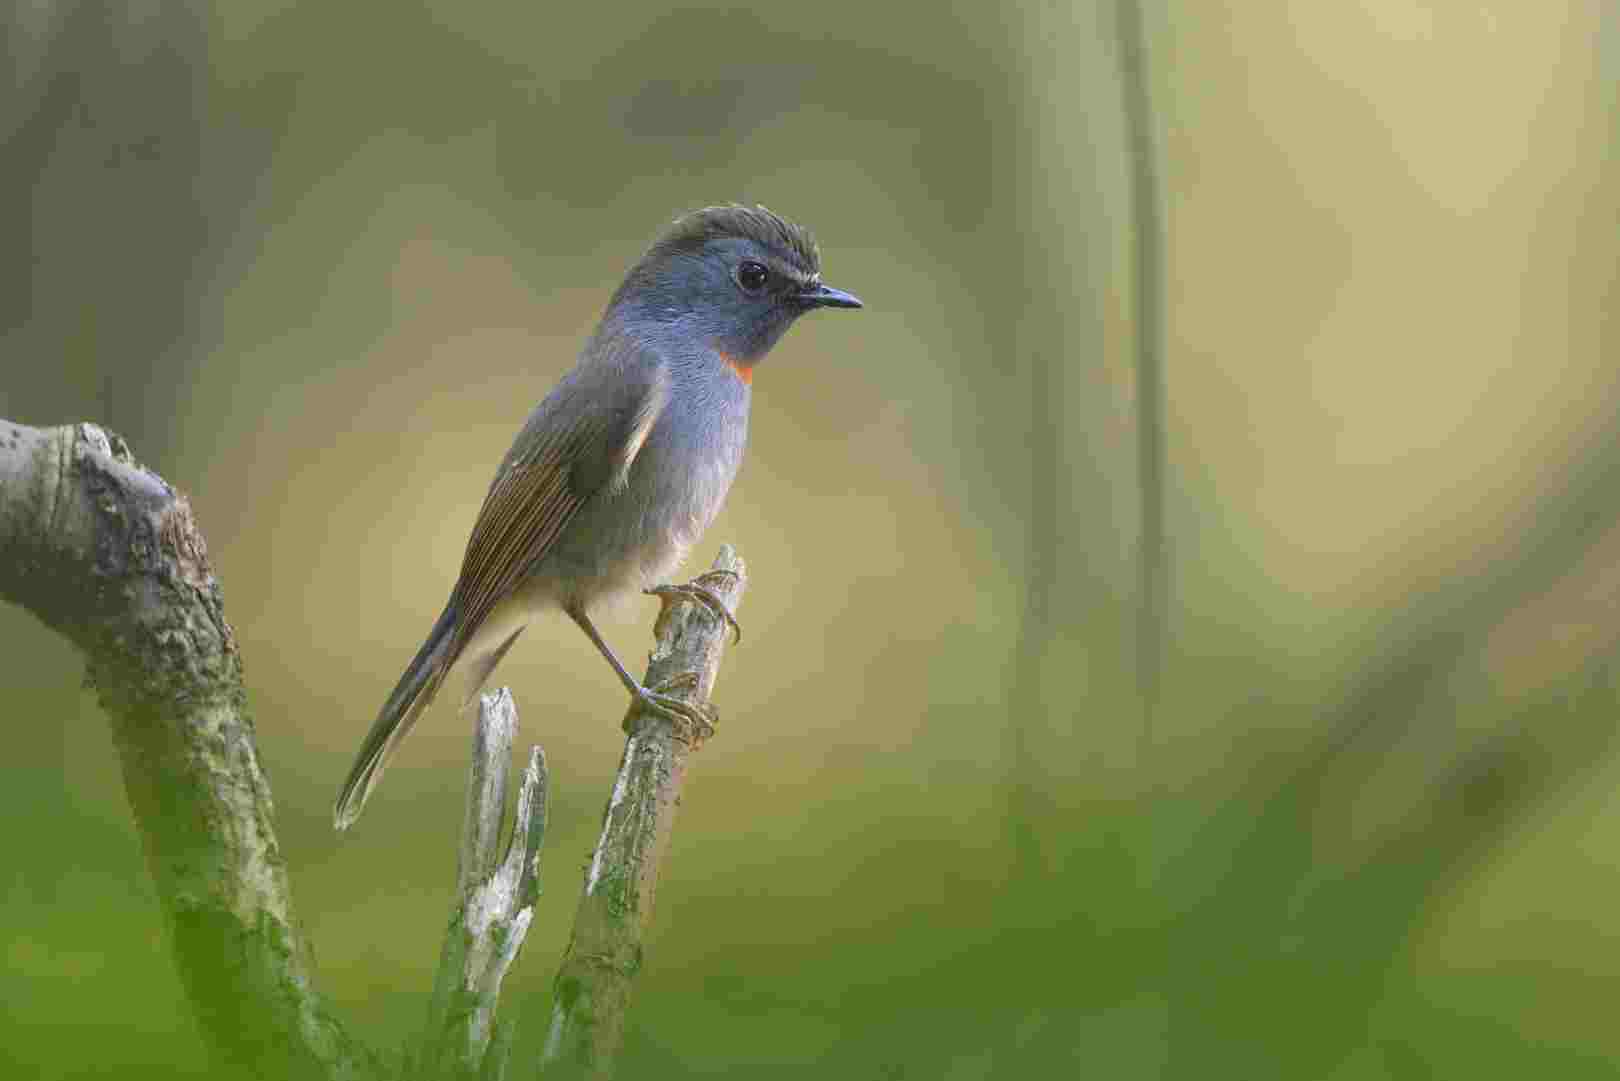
(316, 262)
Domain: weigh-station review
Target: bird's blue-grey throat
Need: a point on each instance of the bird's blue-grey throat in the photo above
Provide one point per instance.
(619, 470)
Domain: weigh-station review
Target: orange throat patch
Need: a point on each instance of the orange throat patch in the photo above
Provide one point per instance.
(744, 370)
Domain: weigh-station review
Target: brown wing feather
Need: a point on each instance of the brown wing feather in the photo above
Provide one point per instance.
(542, 486)
(526, 509)
(581, 440)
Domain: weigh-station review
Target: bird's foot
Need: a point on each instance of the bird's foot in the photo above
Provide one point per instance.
(696, 590)
(694, 722)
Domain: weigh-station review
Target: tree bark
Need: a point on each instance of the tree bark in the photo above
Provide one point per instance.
(107, 554)
(494, 904)
(592, 991)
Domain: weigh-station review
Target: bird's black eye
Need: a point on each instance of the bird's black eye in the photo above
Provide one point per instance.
(752, 276)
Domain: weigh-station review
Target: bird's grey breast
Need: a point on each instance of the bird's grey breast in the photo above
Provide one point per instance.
(683, 473)
(629, 536)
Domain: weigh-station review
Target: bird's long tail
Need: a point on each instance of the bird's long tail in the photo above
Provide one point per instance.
(413, 694)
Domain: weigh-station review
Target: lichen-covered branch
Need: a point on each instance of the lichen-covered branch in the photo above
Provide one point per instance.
(494, 904)
(107, 554)
(592, 991)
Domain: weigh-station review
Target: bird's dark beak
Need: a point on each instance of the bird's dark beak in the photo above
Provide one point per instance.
(825, 296)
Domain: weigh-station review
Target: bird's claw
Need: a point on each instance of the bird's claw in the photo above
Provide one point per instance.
(695, 590)
(694, 722)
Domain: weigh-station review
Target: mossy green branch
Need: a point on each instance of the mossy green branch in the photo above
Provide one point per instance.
(107, 554)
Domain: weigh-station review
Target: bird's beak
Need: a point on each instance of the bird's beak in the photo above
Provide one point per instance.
(825, 296)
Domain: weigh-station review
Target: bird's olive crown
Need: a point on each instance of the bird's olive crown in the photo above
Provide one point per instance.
(791, 243)
(727, 278)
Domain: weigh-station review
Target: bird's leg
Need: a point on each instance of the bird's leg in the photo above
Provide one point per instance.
(693, 723)
(696, 590)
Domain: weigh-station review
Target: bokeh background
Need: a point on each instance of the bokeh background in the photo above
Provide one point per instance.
(316, 262)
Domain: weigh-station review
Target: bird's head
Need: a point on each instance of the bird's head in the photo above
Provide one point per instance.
(728, 278)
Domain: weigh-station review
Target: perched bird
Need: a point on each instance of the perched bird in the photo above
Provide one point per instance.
(623, 465)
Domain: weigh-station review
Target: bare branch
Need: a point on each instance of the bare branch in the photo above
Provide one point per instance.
(495, 903)
(592, 991)
(107, 554)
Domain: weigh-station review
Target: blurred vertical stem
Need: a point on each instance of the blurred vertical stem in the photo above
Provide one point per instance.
(1147, 225)
(1035, 632)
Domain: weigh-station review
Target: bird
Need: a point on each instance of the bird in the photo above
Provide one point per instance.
(622, 466)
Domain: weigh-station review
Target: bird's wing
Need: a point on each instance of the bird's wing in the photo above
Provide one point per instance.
(582, 440)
